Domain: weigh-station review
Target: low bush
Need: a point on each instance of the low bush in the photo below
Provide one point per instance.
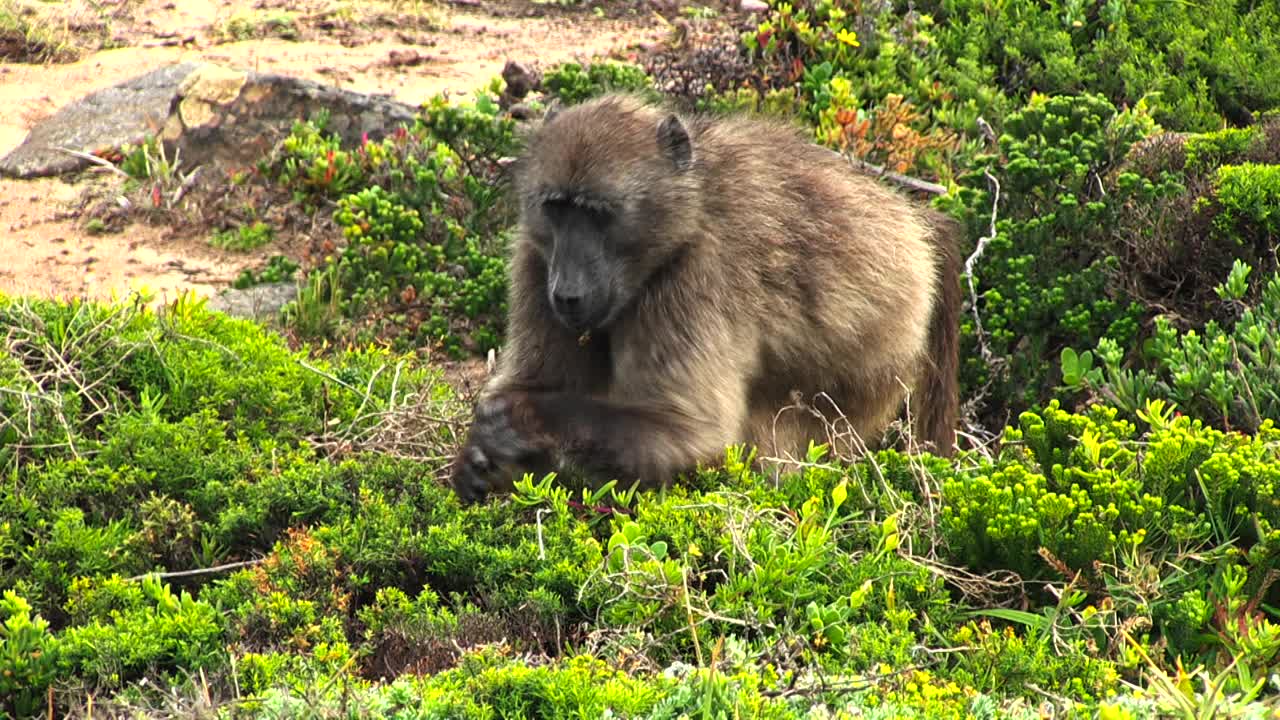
(1227, 374)
(424, 221)
(959, 60)
(278, 268)
(1131, 551)
(1044, 278)
(1175, 247)
(572, 83)
(196, 515)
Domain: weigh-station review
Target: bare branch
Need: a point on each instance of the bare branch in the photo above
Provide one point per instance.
(199, 571)
(905, 181)
(102, 162)
(973, 259)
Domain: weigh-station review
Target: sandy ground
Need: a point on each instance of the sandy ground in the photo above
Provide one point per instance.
(44, 248)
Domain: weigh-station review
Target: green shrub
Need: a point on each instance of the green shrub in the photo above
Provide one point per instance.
(1044, 280)
(1087, 499)
(1082, 556)
(1229, 375)
(312, 162)
(1089, 243)
(1211, 149)
(961, 59)
(278, 269)
(573, 82)
(165, 632)
(1249, 196)
(360, 566)
(244, 237)
(1210, 210)
(28, 657)
(456, 289)
(191, 449)
(423, 219)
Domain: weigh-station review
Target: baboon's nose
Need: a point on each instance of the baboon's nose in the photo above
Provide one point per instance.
(567, 304)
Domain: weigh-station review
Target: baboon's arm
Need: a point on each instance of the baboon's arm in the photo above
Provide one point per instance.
(676, 400)
(677, 397)
(623, 441)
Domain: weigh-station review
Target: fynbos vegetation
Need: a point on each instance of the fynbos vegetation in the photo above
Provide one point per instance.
(203, 515)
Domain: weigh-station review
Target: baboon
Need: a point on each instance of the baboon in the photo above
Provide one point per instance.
(677, 277)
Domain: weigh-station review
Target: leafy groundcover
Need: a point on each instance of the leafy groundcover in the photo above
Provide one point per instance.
(1093, 562)
(205, 516)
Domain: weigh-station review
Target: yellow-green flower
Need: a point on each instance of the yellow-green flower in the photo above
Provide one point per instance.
(847, 37)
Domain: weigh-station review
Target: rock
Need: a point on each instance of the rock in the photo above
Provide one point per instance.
(207, 88)
(260, 302)
(211, 114)
(240, 128)
(520, 80)
(108, 118)
(753, 6)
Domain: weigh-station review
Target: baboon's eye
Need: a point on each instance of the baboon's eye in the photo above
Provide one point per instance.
(559, 208)
(599, 216)
(556, 205)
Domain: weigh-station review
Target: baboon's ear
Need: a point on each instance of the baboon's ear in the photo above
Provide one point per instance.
(673, 140)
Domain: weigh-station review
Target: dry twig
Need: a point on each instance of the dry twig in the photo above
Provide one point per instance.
(973, 259)
(198, 571)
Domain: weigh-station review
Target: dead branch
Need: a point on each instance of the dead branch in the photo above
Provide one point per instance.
(198, 571)
(973, 259)
(906, 181)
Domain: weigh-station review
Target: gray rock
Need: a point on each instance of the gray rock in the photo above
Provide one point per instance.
(211, 114)
(260, 302)
(233, 118)
(108, 118)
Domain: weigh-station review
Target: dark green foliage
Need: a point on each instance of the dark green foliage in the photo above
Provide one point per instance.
(1211, 208)
(1086, 232)
(1078, 491)
(423, 214)
(1044, 279)
(1227, 374)
(190, 451)
(278, 269)
(363, 567)
(1249, 199)
(572, 83)
(961, 59)
(1082, 554)
(28, 657)
(1208, 150)
(162, 630)
(384, 264)
(244, 237)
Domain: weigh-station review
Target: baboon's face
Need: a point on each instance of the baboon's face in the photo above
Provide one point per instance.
(600, 189)
(587, 260)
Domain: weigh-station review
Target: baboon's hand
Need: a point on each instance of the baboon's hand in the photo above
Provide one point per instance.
(496, 447)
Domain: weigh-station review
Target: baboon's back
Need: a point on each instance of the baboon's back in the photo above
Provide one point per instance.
(838, 270)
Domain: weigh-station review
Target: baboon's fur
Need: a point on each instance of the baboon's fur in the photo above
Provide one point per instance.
(756, 264)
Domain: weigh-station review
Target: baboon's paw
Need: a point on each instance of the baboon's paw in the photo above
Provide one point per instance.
(494, 451)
